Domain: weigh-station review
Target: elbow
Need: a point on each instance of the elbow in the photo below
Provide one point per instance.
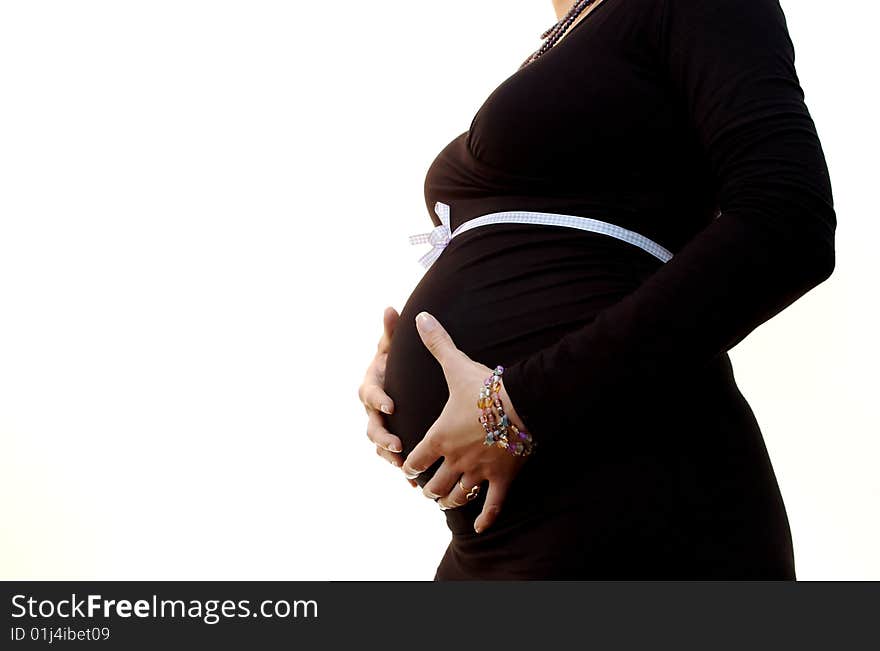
(799, 244)
(804, 226)
(816, 255)
(823, 257)
(826, 263)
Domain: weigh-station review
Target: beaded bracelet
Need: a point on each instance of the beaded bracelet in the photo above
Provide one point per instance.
(499, 430)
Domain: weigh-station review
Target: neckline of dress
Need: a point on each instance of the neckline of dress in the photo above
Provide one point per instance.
(598, 5)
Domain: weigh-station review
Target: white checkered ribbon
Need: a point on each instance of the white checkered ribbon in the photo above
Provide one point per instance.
(438, 238)
(441, 235)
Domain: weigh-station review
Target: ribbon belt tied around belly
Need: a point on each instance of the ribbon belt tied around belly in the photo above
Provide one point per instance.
(438, 237)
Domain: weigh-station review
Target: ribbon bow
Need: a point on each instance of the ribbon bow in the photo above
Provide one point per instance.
(438, 237)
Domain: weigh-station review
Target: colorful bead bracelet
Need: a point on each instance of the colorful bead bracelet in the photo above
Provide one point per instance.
(496, 423)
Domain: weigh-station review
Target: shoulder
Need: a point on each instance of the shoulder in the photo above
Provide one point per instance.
(739, 24)
(712, 10)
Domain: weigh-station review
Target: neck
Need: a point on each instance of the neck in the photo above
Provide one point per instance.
(561, 7)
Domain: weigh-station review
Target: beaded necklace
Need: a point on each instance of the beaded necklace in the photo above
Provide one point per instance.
(552, 35)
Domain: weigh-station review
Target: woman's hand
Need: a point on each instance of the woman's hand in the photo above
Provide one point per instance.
(372, 393)
(458, 436)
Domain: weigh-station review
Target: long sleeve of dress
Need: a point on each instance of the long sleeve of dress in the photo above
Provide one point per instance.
(731, 65)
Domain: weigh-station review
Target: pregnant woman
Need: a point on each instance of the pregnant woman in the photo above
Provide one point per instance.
(637, 197)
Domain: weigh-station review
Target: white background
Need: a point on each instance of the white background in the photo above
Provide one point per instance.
(204, 209)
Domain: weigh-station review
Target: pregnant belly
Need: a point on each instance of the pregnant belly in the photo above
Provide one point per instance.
(506, 291)
(502, 292)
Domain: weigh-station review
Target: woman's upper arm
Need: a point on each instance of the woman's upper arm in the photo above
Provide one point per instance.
(729, 64)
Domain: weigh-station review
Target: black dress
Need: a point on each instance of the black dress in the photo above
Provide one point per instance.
(685, 121)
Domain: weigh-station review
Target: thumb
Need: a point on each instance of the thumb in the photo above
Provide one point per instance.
(435, 338)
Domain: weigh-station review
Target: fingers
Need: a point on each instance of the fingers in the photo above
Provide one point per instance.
(393, 458)
(466, 488)
(492, 506)
(436, 339)
(442, 482)
(371, 392)
(389, 321)
(421, 458)
(374, 397)
(377, 433)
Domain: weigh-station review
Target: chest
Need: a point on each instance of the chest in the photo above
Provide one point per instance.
(598, 98)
